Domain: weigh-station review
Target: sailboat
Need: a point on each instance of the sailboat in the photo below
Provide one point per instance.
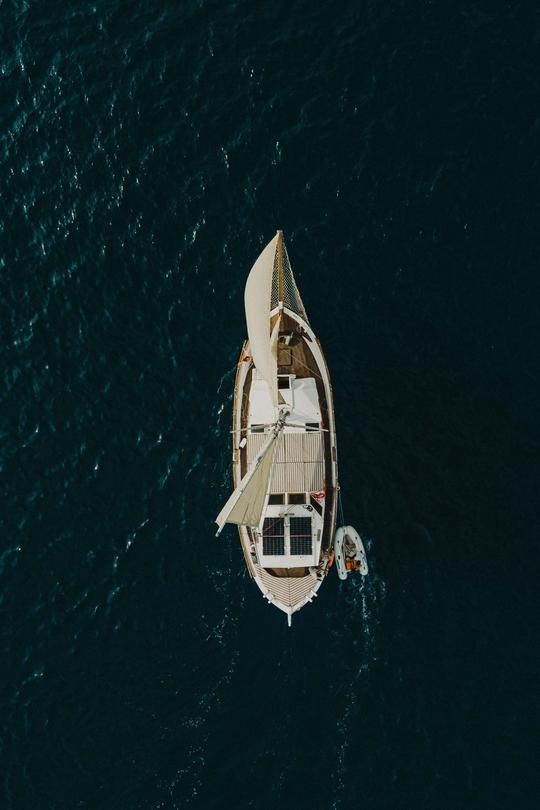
(284, 441)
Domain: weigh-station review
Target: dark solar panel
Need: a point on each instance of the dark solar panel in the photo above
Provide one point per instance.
(273, 536)
(300, 535)
(273, 545)
(273, 527)
(301, 545)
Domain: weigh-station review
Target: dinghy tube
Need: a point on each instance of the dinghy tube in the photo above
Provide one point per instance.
(350, 553)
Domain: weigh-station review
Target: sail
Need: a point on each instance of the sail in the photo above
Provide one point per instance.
(246, 504)
(257, 299)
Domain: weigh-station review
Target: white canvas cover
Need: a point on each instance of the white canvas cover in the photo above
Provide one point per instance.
(246, 504)
(257, 299)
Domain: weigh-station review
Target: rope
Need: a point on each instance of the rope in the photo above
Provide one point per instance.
(312, 370)
(286, 513)
(340, 509)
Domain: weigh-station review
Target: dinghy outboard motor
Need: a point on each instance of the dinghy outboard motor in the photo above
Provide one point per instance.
(350, 552)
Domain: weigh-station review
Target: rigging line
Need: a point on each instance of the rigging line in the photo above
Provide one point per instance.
(284, 514)
(257, 432)
(312, 370)
(340, 508)
(306, 429)
(287, 424)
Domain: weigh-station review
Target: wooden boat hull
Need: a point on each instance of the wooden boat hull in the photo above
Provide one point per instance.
(290, 588)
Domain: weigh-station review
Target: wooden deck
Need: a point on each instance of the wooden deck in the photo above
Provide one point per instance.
(296, 358)
(303, 364)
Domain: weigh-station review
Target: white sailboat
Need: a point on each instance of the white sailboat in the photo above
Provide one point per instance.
(284, 442)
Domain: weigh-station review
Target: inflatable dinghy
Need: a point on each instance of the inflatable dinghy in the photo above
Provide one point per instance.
(350, 553)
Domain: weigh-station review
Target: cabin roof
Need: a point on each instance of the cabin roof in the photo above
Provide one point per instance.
(298, 463)
(301, 397)
(291, 537)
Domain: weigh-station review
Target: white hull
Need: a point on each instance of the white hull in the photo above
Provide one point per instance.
(284, 441)
(349, 552)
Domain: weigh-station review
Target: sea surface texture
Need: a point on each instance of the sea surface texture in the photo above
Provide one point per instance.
(148, 150)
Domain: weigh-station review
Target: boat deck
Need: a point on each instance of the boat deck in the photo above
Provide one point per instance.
(295, 358)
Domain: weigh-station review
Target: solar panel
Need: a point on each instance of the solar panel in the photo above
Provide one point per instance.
(273, 536)
(300, 535)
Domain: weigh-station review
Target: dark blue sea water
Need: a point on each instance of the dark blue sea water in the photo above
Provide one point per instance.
(147, 152)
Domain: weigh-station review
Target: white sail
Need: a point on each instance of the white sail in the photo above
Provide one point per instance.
(257, 299)
(246, 504)
(274, 337)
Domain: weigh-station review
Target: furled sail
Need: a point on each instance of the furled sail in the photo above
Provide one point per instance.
(257, 298)
(246, 504)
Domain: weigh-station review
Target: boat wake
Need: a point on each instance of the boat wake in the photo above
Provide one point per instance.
(364, 599)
